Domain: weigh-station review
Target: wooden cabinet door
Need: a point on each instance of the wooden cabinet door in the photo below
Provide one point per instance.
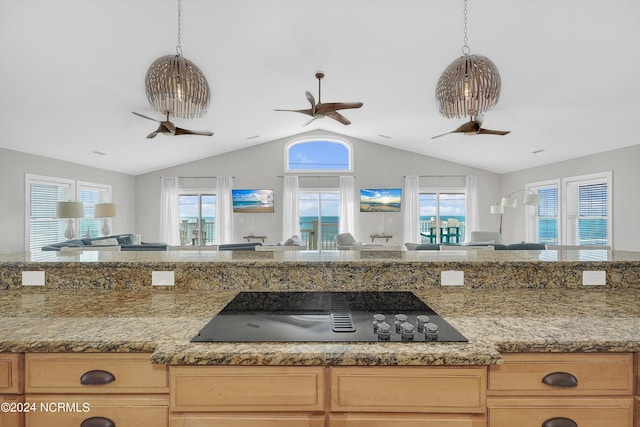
(121, 411)
(406, 420)
(11, 416)
(11, 366)
(246, 420)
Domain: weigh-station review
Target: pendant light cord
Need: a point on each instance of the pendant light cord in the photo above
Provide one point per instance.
(179, 45)
(465, 48)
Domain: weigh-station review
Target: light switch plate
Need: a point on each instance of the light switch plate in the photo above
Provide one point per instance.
(162, 278)
(452, 278)
(594, 278)
(33, 278)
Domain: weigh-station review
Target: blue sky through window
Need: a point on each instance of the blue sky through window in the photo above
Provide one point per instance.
(318, 155)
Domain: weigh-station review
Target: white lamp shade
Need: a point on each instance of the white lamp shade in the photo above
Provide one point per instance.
(104, 210)
(497, 209)
(69, 210)
(532, 199)
(509, 202)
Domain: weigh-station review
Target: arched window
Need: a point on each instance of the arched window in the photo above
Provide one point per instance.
(318, 155)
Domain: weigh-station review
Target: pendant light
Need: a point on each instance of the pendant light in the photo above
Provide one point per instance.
(175, 86)
(470, 85)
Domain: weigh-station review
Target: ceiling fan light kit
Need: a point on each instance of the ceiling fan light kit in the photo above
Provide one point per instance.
(176, 87)
(468, 87)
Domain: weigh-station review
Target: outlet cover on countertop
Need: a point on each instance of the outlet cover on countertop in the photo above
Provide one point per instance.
(33, 278)
(162, 278)
(594, 278)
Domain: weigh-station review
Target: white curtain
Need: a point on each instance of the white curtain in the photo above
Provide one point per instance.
(347, 205)
(471, 210)
(290, 208)
(411, 208)
(224, 210)
(169, 210)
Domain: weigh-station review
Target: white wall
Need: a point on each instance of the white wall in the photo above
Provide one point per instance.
(625, 165)
(375, 165)
(13, 167)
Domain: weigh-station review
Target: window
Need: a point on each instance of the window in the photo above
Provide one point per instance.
(90, 194)
(543, 226)
(318, 155)
(42, 193)
(319, 218)
(197, 217)
(442, 215)
(573, 211)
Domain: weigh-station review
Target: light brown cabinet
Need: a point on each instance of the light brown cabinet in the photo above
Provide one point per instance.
(116, 389)
(586, 389)
(11, 389)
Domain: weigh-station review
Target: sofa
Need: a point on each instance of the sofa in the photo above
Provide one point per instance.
(249, 246)
(125, 241)
(497, 246)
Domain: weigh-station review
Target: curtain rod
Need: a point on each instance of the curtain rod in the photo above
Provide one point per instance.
(194, 177)
(439, 176)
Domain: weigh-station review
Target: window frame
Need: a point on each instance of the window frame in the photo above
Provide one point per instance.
(199, 192)
(531, 224)
(438, 191)
(347, 144)
(105, 191)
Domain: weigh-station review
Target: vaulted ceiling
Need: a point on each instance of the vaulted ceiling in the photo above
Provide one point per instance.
(73, 70)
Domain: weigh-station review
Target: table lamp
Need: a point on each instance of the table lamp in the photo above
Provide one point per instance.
(106, 211)
(69, 210)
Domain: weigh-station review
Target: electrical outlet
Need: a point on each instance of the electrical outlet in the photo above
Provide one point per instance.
(452, 278)
(162, 278)
(33, 278)
(594, 278)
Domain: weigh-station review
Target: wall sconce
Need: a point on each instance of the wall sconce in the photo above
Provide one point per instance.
(106, 211)
(530, 198)
(69, 210)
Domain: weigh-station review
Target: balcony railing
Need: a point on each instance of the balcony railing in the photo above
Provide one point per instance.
(323, 235)
(206, 233)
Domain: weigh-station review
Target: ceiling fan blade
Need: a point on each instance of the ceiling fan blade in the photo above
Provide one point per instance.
(442, 134)
(493, 132)
(308, 111)
(332, 106)
(309, 122)
(152, 134)
(146, 117)
(339, 117)
(312, 101)
(180, 131)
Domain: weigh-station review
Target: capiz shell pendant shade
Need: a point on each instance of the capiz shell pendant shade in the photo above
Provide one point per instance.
(470, 85)
(176, 87)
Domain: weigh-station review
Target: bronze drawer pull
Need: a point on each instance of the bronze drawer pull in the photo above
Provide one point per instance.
(560, 379)
(97, 377)
(559, 422)
(97, 422)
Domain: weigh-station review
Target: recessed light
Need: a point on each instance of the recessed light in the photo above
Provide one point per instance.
(384, 136)
(99, 153)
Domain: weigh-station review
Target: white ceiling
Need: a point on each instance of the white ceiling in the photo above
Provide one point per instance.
(72, 71)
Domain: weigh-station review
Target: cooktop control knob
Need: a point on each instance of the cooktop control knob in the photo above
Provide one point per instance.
(430, 332)
(421, 320)
(407, 332)
(377, 319)
(384, 332)
(400, 319)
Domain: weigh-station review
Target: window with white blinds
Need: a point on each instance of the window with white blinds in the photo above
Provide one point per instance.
(42, 193)
(573, 211)
(588, 210)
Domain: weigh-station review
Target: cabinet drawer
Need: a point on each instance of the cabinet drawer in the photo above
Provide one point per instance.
(13, 416)
(123, 411)
(409, 420)
(246, 388)
(246, 420)
(115, 373)
(11, 373)
(408, 389)
(585, 412)
(602, 374)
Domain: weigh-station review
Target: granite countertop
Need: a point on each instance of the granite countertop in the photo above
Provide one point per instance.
(162, 323)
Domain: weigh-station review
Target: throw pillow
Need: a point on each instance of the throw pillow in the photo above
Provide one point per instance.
(126, 239)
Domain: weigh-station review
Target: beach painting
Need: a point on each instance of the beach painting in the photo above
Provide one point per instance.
(380, 199)
(252, 201)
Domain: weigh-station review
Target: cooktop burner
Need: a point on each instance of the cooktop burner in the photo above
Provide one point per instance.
(327, 317)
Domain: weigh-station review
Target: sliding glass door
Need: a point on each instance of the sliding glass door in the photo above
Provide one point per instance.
(442, 216)
(319, 218)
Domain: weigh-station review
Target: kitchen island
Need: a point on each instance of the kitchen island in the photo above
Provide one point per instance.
(516, 309)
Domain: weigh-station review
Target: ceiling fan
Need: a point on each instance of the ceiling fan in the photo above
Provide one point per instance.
(474, 127)
(320, 110)
(169, 129)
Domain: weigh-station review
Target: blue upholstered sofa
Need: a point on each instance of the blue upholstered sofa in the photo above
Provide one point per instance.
(125, 241)
(497, 246)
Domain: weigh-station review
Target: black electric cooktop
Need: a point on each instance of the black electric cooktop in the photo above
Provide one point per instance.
(327, 317)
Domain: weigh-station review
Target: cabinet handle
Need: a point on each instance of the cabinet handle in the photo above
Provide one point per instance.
(559, 422)
(560, 379)
(97, 422)
(97, 377)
